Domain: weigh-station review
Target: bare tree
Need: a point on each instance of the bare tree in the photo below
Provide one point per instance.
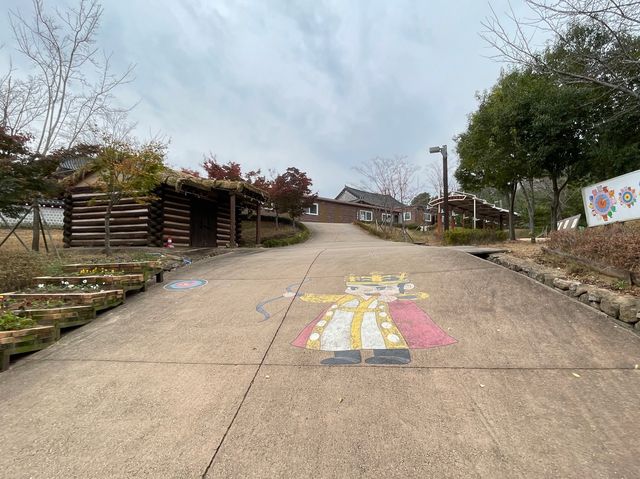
(21, 102)
(396, 179)
(599, 38)
(72, 86)
(435, 177)
(377, 176)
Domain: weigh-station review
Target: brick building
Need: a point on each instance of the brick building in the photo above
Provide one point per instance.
(352, 204)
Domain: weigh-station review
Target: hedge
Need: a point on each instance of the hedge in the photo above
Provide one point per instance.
(300, 237)
(465, 236)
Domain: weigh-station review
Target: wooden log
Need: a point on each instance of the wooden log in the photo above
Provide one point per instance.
(114, 227)
(114, 235)
(175, 211)
(176, 225)
(114, 222)
(177, 218)
(115, 214)
(103, 209)
(612, 271)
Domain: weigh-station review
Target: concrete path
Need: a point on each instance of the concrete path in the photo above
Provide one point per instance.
(196, 383)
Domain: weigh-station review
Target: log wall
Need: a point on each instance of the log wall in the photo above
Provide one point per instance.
(85, 216)
(224, 221)
(176, 221)
(155, 223)
(167, 214)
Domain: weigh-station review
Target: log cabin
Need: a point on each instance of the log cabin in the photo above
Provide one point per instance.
(188, 210)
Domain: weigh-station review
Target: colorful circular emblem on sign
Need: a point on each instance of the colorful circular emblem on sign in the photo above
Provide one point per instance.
(602, 202)
(182, 284)
(627, 196)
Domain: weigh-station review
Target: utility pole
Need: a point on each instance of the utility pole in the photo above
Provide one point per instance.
(445, 181)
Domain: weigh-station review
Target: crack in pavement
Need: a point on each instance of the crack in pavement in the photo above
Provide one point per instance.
(360, 366)
(246, 393)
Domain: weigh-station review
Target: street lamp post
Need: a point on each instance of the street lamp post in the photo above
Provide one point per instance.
(445, 181)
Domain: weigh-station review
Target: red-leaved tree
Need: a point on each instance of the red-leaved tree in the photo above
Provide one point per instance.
(291, 193)
(222, 171)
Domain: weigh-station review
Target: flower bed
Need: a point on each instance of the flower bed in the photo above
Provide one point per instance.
(21, 335)
(98, 300)
(146, 268)
(61, 318)
(127, 282)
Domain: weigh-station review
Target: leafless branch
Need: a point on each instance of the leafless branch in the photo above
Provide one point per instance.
(72, 88)
(613, 63)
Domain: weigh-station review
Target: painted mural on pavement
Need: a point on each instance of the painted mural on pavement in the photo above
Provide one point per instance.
(184, 284)
(375, 312)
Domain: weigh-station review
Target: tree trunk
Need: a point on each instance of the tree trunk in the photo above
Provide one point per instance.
(107, 229)
(35, 229)
(555, 201)
(512, 206)
(276, 212)
(531, 208)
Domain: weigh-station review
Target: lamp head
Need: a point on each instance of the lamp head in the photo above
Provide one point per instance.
(435, 149)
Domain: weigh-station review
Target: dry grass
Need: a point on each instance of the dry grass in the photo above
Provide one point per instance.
(393, 233)
(533, 252)
(267, 231)
(18, 266)
(13, 245)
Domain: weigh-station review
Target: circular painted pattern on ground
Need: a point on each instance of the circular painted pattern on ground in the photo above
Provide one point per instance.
(182, 284)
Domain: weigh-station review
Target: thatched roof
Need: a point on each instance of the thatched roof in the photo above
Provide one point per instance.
(178, 180)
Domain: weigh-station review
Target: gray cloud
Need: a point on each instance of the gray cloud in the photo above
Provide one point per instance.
(321, 85)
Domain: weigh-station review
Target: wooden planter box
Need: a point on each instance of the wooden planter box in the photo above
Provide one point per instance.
(24, 341)
(65, 317)
(146, 268)
(98, 300)
(127, 282)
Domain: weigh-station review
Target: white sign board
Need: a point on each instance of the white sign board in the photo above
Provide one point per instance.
(617, 199)
(569, 223)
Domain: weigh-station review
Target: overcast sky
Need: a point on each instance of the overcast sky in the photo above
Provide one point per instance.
(321, 85)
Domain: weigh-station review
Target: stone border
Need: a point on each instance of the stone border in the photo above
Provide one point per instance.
(621, 307)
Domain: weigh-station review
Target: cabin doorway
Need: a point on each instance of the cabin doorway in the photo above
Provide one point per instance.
(203, 223)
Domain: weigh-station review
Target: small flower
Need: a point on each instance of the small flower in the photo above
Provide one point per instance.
(84, 281)
(41, 285)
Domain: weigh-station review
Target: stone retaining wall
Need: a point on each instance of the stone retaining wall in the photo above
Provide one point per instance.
(621, 307)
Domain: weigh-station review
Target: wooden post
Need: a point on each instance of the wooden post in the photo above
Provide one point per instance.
(35, 226)
(232, 214)
(258, 236)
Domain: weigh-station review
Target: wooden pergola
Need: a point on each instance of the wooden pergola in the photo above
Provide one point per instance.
(471, 206)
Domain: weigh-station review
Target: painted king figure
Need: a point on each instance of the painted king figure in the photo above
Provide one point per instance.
(377, 312)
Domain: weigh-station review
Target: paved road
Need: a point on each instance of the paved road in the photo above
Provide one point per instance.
(195, 383)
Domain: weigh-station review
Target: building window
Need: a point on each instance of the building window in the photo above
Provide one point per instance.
(312, 210)
(366, 215)
(407, 215)
(387, 217)
(427, 218)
